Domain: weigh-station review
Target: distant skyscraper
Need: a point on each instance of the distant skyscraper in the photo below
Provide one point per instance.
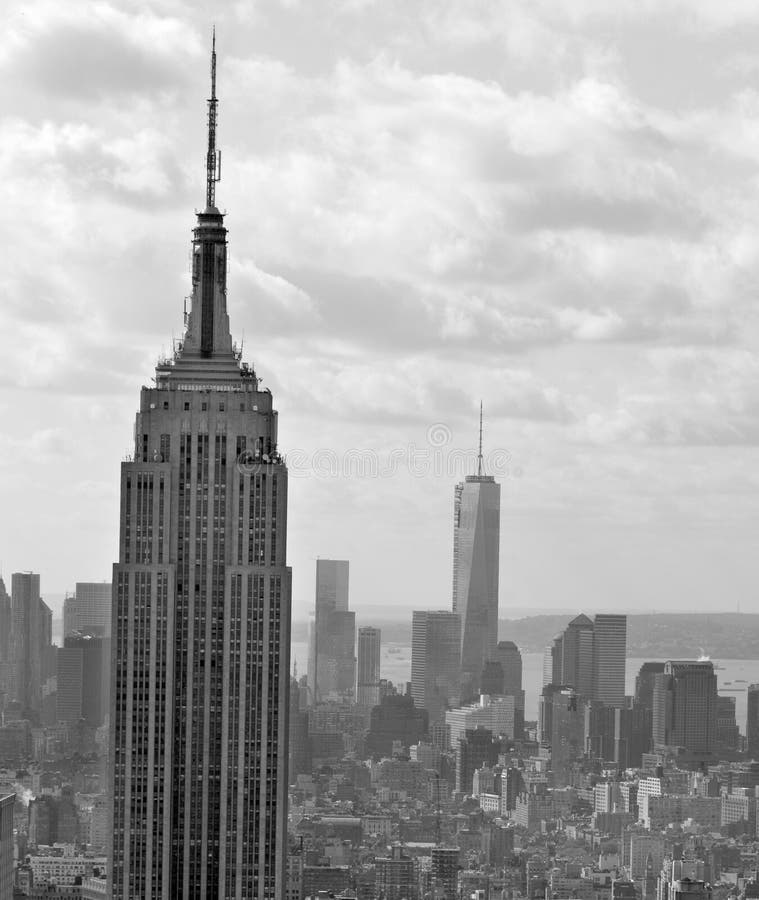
(368, 677)
(88, 610)
(201, 616)
(609, 658)
(6, 620)
(567, 733)
(577, 656)
(476, 533)
(752, 722)
(83, 679)
(645, 681)
(508, 655)
(590, 656)
(552, 661)
(435, 671)
(332, 651)
(685, 706)
(32, 623)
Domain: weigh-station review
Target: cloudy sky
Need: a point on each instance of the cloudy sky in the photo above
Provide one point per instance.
(551, 206)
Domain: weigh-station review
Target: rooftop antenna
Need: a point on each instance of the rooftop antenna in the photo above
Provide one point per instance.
(479, 455)
(213, 157)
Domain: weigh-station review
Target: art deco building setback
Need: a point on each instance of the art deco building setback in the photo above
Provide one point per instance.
(201, 615)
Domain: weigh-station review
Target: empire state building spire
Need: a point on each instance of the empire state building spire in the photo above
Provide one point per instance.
(213, 156)
(206, 353)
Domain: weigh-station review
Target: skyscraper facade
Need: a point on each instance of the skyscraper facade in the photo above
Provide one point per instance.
(685, 706)
(7, 803)
(752, 722)
(645, 681)
(577, 656)
(368, 668)
(31, 638)
(476, 535)
(88, 609)
(6, 620)
(435, 670)
(590, 656)
(609, 658)
(201, 615)
(82, 680)
(332, 650)
(508, 655)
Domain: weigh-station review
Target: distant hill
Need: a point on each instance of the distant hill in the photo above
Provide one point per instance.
(653, 635)
(684, 635)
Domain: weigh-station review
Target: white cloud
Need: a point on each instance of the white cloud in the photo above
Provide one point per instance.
(427, 204)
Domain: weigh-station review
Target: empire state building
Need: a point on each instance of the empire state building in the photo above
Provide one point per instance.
(201, 614)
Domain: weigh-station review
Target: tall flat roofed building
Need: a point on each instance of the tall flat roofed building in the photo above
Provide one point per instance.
(685, 706)
(88, 609)
(201, 615)
(752, 722)
(609, 658)
(31, 639)
(368, 667)
(435, 670)
(476, 535)
(332, 650)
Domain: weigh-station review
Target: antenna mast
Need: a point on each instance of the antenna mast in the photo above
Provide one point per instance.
(479, 455)
(213, 157)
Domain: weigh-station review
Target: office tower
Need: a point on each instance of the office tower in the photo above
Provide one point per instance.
(598, 736)
(445, 872)
(728, 734)
(88, 610)
(477, 747)
(299, 746)
(332, 659)
(644, 683)
(6, 846)
(497, 714)
(435, 670)
(552, 661)
(395, 876)
(396, 720)
(609, 657)
(577, 656)
(503, 673)
(508, 655)
(491, 680)
(6, 619)
(476, 531)
(201, 615)
(32, 623)
(685, 706)
(632, 735)
(368, 677)
(567, 733)
(82, 680)
(752, 722)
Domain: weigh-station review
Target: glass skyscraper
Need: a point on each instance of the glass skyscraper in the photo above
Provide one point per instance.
(476, 535)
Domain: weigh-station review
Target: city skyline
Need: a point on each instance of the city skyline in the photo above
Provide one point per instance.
(519, 283)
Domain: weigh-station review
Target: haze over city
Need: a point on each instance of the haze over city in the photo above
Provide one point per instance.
(551, 208)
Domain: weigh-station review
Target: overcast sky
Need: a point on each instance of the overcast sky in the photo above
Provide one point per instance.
(552, 206)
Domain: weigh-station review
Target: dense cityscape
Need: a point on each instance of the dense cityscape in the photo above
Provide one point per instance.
(167, 746)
